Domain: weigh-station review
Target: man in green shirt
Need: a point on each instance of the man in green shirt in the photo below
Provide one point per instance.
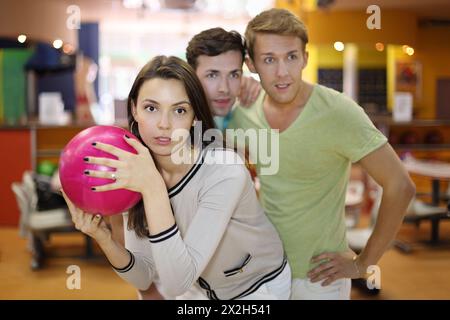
(321, 133)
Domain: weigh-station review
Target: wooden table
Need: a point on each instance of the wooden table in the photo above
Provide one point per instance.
(437, 171)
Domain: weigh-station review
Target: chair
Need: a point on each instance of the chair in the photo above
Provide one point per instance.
(419, 211)
(28, 187)
(354, 201)
(37, 226)
(358, 237)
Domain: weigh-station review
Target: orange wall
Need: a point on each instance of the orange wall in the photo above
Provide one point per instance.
(431, 44)
(43, 20)
(433, 51)
(433, 54)
(350, 26)
(16, 158)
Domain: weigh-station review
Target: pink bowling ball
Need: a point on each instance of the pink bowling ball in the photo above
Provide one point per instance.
(77, 185)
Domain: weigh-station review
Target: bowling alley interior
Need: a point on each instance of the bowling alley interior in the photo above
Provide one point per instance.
(68, 65)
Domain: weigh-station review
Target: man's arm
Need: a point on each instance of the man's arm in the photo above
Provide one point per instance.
(384, 166)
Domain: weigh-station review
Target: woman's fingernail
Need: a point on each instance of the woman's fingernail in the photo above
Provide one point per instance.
(93, 188)
(97, 216)
(86, 159)
(94, 143)
(126, 136)
(86, 172)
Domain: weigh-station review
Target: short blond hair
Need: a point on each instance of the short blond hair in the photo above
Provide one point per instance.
(276, 21)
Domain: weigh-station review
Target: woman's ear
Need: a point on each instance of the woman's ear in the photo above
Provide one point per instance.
(133, 110)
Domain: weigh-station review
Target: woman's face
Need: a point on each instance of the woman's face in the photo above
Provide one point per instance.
(163, 107)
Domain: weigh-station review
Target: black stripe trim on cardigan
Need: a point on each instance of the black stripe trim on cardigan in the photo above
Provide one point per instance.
(164, 235)
(191, 173)
(209, 292)
(233, 271)
(270, 276)
(163, 232)
(128, 266)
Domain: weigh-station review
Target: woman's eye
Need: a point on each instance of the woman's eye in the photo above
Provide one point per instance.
(292, 57)
(268, 60)
(211, 75)
(150, 108)
(235, 75)
(180, 111)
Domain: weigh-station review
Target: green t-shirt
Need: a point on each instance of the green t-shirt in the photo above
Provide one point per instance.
(305, 199)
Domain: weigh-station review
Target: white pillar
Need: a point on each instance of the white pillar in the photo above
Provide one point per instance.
(350, 74)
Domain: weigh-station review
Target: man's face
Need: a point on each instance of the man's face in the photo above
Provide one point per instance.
(221, 79)
(279, 61)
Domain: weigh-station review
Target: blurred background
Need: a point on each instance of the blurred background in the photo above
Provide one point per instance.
(67, 65)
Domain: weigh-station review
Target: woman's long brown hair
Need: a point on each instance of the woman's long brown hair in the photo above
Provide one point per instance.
(163, 67)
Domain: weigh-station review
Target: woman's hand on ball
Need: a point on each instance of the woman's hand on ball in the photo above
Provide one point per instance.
(135, 172)
(90, 224)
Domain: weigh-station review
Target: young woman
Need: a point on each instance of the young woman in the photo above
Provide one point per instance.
(199, 222)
